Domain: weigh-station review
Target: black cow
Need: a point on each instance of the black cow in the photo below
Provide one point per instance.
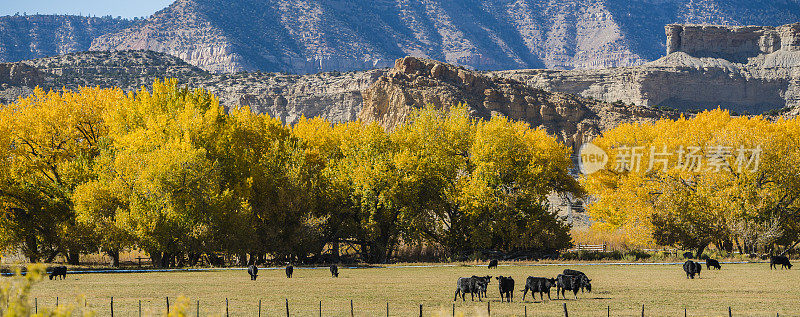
(572, 283)
(688, 255)
(506, 286)
(538, 284)
(493, 264)
(289, 271)
(779, 260)
(334, 271)
(691, 268)
(483, 281)
(58, 271)
(253, 271)
(472, 285)
(712, 263)
(586, 281)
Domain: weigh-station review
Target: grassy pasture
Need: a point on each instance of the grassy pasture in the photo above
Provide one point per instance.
(750, 289)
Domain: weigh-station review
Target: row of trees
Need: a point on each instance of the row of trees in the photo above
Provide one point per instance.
(713, 179)
(171, 172)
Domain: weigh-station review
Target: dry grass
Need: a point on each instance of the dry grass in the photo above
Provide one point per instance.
(750, 289)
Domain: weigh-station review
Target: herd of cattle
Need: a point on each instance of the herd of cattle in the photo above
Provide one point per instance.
(569, 280)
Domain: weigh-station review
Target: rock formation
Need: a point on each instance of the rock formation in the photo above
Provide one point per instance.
(309, 36)
(745, 69)
(334, 96)
(415, 82)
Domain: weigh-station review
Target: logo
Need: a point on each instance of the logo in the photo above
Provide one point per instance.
(591, 158)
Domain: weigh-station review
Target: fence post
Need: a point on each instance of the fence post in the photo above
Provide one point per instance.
(167, 304)
(454, 309)
(36, 305)
(642, 310)
(140, 308)
(287, 307)
(56, 301)
(351, 308)
(259, 308)
(320, 308)
(387, 309)
(112, 306)
(198, 308)
(566, 314)
(684, 312)
(226, 307)
(729, 312)
(489, 307)
(526, 310)
(420, 310)
(609, 310)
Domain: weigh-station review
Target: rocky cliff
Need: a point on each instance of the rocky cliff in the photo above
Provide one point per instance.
(308, 36)
(334, 96)
(415, 82)
(34, 36)
(745, 69)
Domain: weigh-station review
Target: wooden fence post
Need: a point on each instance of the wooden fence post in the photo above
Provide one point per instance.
(566, 314)
(454, 309)
(351, 308)
(489, 307)
(387, 309)
(642, 310)
(112, 306)
(36, 305)
(608, 308)
(140, 308)
(526, 310)
(287, 307)
(320, 308)
(56, 301)
(167, 304)
(684, 312)
(729, 312)
(198, 308)
(259, 308)
(226, 308)
(420, 310)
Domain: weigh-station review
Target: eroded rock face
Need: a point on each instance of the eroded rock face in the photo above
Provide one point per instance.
(334, 96)
(415, 82)
(745, 69)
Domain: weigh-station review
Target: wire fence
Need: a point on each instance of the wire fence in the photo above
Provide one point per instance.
(227, 308)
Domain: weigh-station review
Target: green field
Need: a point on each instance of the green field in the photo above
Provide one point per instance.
(749, 289)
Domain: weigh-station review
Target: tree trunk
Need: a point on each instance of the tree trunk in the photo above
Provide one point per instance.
(700, 250)
(32, 248)
(73, 257)
(114, 254)
(156, 258)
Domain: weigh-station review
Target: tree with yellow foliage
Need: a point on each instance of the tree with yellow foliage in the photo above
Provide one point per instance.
(692, 182)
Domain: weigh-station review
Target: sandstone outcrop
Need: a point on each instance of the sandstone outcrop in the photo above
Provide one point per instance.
(745, 69)
(415, 82)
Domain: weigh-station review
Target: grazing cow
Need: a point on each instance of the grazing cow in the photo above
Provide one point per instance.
(253, 271)
(493, 264)
(58, 271)
(586, 281)
(688, 255)
(506, 286)
(779, 260)
(712, 263)
(691, 268)
(334, 271)
(472, 285)
(483, 282)
(572, 283)
(538, 284)
(289, 271)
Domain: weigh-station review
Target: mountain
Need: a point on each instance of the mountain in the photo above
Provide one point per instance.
(33, 36)
(307, 36)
